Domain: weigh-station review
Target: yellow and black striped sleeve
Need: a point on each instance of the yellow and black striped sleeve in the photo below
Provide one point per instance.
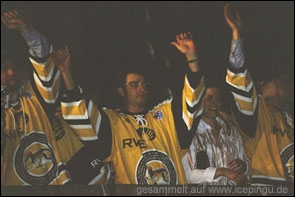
(243, 91)
(47, 78)
(245, 99)
(191, 100)
(83, 117)
(92, 126)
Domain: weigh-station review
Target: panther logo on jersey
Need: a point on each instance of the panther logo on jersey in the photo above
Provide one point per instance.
(156, 168)
(157, 176)
(34, 160)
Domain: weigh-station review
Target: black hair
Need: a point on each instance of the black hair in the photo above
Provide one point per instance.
(138, 67)
(18, 62)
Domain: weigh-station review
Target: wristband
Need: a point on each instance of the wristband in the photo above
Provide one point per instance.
(196, 59)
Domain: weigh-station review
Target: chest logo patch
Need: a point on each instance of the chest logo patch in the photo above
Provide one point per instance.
(155, 168)
(34, 160)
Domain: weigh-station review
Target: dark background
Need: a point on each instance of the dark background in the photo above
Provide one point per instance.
(105, 37)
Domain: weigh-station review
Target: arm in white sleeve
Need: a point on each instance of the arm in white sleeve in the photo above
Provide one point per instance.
(198, 176)
(237, 56)
(37, 43)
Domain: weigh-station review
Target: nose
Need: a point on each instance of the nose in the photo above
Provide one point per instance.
(215, 100)
(141, 87)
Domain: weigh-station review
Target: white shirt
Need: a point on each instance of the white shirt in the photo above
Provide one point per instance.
(231, 148)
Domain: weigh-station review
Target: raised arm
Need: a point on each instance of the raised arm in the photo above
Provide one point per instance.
(234, 21)
(61, 58)
(185, 44)
(192, 92)
(46, 76)
(238, 77)
(89, 123)
(37, 43)
(75, 109)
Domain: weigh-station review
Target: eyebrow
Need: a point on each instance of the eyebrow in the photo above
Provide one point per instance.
(137, 81)
(132, 82)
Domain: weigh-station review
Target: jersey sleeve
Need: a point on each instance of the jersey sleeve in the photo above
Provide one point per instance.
(92, 126)
(191, 101)
(243, 90)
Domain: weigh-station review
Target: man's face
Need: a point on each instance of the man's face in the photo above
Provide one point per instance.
(211, 103)
(135, 92)
(278, 91)
(9, 76)
(269, 90)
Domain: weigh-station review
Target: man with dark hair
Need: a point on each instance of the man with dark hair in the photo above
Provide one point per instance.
(143, 143)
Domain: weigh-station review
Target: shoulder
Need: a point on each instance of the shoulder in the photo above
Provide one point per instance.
(163, 104)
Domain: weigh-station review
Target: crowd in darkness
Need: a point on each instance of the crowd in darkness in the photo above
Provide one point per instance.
(102, 34)
(147, 93)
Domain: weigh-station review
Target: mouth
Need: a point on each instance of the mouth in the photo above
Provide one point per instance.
(141, 95)
(213, 109)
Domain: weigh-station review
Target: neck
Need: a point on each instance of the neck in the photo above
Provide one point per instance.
(13, 97)
(136, 110)
(210, 121)
(274, 101)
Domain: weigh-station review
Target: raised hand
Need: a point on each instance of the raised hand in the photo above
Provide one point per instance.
(61, 58)
(185, 44)
(13, 21)
(233, 19)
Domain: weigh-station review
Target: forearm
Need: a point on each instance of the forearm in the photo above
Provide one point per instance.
(235, 34)
(237, 56)
(198, 176)
(37, 43)
(68, 80)
(219, 172)
(194, 64)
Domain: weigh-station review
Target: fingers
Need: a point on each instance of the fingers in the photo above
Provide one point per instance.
(236, 168)
(184, 36)
(62, 53)
(10, 15)
(227, 13)
(226, 9)
(236, 164)
(238, 177)
(180, 38)
(241, 178)
(61, 58)
(13, 21)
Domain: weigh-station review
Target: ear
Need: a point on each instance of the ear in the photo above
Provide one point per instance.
(121, 91)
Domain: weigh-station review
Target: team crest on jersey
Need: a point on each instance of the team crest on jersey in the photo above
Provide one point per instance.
(287, 157)
(158, 115)
(156, 168)
(34, 160)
